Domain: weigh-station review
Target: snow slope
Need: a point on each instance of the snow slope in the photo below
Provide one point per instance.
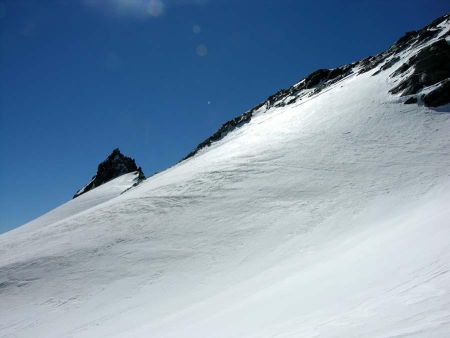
(85, 203)
(328, 217)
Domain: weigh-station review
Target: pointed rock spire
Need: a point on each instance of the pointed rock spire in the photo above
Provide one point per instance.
(115, 165)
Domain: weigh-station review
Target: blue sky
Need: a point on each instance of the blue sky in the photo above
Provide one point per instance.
(156, 77)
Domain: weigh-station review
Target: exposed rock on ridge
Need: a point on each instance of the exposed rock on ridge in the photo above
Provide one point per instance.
(428, 67)
(439, 96)
(311, 85)
(431, 67)
(115, 165)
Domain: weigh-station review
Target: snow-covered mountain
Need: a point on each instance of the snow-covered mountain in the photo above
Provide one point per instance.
(322, 212)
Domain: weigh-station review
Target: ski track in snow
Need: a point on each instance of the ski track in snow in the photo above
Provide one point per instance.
(325, 218)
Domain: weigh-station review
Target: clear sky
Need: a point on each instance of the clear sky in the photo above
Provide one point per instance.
(155, 77)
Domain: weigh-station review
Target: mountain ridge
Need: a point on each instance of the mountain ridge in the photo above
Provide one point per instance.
(321, 78)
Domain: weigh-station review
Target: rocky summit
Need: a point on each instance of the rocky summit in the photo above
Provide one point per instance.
(115, 165)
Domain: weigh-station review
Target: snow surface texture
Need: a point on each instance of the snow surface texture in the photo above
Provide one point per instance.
(328, 217)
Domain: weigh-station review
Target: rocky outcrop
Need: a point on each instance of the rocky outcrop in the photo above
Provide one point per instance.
(410, 39)
(223, 130)
(428, 67)
(115, 165)
(439, 96)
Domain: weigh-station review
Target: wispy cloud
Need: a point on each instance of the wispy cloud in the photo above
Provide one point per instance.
(129, 8)
(138, 8)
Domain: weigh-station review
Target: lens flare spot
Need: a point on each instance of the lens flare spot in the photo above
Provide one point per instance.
(155, 8)
(201, 50)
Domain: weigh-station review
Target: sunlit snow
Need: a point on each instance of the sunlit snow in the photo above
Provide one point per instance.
(328, 217)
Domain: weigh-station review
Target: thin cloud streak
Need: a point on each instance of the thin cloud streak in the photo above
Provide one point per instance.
(138, 8)
(128, 8)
